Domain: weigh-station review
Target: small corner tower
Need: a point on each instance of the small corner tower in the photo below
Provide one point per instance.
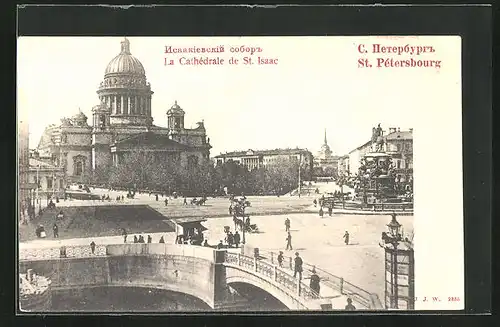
(101, 135)
(101, 117)
(175, 117)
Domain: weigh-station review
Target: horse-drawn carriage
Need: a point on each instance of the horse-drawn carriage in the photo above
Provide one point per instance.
(199, 202)
(245, 225)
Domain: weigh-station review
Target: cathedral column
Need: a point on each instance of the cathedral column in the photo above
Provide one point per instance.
(135, 105)
(128, 106)
(121, 104)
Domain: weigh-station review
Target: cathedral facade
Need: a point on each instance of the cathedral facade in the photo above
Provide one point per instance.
(122, 123)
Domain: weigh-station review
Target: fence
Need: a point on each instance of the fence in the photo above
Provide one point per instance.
(369, 300)
(405, 206)
(271, 272)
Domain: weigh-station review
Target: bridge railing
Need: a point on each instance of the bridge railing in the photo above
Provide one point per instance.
(272, 272)
(73, 251)
(367, 299)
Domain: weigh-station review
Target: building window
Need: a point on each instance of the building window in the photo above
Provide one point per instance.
(398, 148)
(78, 168)
(49, 182)
(398, 163)
(61, 184)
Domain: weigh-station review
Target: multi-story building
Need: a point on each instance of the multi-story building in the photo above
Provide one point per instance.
(398, 144)
(25, 189)
(254, 159)
(122, 123)
(48, 178)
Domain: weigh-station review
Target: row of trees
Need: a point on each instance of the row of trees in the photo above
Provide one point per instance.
(142, 170)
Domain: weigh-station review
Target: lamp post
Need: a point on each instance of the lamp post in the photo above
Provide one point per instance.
(38, 187)
(399, 267)
(243, 205)
(300, 182)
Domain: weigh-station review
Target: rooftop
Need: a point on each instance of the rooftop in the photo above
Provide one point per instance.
(34, 163)
(251, 152)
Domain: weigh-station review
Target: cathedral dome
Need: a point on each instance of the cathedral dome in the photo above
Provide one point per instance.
(125, 63)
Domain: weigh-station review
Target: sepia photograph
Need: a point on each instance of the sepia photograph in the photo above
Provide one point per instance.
(219, 174)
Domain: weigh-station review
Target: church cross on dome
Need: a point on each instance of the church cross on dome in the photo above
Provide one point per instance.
(125, 46)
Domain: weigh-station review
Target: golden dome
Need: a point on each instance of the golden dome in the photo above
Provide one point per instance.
(125, 63)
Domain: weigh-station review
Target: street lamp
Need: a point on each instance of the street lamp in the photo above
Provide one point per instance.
(394, 228)
(39, 200)
(399, 267)
(300, 182)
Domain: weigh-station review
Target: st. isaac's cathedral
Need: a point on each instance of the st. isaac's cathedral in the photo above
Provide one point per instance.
(121, 123)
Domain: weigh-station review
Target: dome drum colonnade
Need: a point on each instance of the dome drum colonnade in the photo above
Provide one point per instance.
(125, 90)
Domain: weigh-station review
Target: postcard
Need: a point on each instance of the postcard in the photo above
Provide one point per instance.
(208, 174)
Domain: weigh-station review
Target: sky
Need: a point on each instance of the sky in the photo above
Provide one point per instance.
(316, 85)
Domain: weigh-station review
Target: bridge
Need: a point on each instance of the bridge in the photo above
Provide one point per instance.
(202, 272)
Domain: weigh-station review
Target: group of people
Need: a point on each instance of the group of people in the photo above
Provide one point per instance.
(232, 239)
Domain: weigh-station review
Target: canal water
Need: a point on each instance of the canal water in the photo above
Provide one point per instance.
(125, 299)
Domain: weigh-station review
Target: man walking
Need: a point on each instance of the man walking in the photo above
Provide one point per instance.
(92, 247)
(287, 224)
(237, 239)
(314, 283)
(280, 259)
(55, 229)
(298, 266)
(346, 238)
(289, 242)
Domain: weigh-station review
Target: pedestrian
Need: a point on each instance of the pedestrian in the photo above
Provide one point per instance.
(237, 239)
(206, 243)
(280, 259)
(92, 247)
(162, 240)
(346, 238)
(55, 229)
(321, 212)
(314, 283)
(297, 266)
(287, 224)
(230, 239)
(166, 202)
(150, 239)
(330, 210)
(185, 201)
(315, 202)
(141, 239)
(136, 240)
(156, 196)
(350, 306)
(220, 245)
(230, 209)
(289, 241)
